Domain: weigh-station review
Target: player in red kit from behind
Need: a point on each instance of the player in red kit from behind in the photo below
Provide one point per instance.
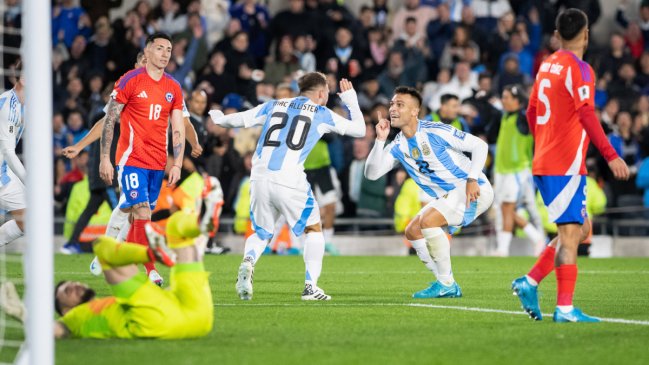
(561, 115)
(143, 100)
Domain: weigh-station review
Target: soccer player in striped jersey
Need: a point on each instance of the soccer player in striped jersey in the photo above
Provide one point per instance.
(432, 154)
(144, 100)
(12, 171)
(562, 118)
(278, 185)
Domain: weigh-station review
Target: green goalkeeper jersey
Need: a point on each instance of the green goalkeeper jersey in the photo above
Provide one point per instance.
(514, 146)
(98, 318)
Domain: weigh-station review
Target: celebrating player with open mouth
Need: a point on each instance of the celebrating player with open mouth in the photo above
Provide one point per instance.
(432, 154)
(278, 185)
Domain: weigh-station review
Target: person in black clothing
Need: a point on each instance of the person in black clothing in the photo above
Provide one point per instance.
(99, 191)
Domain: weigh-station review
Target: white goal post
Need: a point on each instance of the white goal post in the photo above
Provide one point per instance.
(39, 257)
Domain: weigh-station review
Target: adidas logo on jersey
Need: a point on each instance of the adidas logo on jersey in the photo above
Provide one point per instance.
(142, 95)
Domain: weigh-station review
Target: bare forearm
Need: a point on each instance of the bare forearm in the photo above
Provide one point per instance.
(190, 131)
(93, 135)
(178, 142)
(114, 110)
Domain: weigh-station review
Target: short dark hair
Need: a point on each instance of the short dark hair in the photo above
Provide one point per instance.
(410, 91)
(57, 304)
(311, 81)
(570, 22)
(446, 97)
(158, 35)
(411, 19)
(517, 92)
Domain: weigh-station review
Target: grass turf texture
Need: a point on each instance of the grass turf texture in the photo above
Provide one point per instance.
(368, 320)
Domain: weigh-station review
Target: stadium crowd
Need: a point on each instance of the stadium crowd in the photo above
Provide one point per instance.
(235, 55)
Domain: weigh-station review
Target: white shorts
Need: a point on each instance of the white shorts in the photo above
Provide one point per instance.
(269, 200)
(453, 205)
(12, 196)
(511, 188)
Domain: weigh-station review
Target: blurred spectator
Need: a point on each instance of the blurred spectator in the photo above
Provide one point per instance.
(475, 31)
(76, 127)
(449, 113)
(195, 33)
(381, 12)
(255, 20)
(77, 64)
(643, 22)
(455, 49)
(95, 102)
(395, 74)
(345, 59)
(551, 45)
(370, 94)
(98, 49)
(624, 87)
(378, 52)
(99, 8)
(607, 117)
(284, 63)
(293, 21)
(412, 9)
(627, 147)
(303, 46)
(616, 55)
(215, 18)
(73, 100)
(59, 135)
(487, 12)
(499, 39)
(462, 84)
(511, 74)
(642, 79)
(439, 32)
(170, 19)
(11, 37)
(214, 80)
(68, 21)
(524, 44)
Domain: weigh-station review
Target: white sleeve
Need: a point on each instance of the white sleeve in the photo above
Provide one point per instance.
(249, 118)
(466, 142)
(8, 154)
(380, 161)
(343, 126)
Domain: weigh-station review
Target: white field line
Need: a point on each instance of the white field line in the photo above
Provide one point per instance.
(420, 305)
(491, 272)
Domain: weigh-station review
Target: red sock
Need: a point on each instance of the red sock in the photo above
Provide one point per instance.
(544, 265)
(566, 279)
(130, 237)
(139, 237)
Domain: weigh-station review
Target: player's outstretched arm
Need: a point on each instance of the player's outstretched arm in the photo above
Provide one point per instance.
(178, 143)
(245, 119)
(380, 161)
(114, 110)
(348, 95)
(93, 135)
(192, 138)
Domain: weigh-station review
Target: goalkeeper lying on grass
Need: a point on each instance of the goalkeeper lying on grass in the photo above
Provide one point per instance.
(139, 309)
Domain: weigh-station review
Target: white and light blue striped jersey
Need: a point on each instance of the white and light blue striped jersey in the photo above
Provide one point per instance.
(433, 157)
(11, 129)
(290, 129)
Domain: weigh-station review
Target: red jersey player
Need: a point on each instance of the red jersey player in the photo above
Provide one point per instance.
(561, 115)
(143, 100)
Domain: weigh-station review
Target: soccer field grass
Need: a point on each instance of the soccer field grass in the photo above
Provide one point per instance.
(373, 319)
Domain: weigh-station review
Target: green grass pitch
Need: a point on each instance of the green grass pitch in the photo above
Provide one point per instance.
(369, 320)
